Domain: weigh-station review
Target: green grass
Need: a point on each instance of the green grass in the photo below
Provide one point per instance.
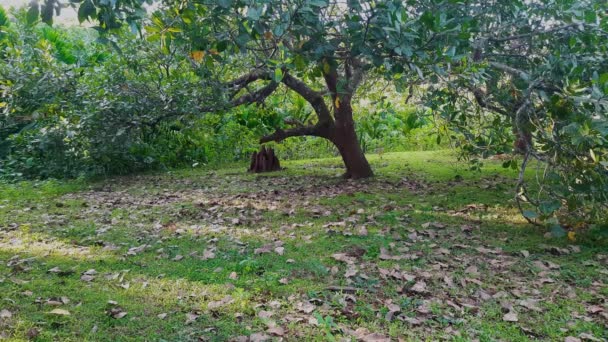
(423, 206)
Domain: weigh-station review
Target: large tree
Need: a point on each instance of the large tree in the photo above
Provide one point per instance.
(320, 49)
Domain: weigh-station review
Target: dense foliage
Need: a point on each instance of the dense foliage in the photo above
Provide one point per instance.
(538, 85)
(73, 105)
(199, 82)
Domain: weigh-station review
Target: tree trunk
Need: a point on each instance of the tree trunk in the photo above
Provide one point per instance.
(345, 138)
(355, 162)
(339, 129)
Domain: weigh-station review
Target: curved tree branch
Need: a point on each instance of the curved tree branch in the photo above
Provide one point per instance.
(257, 96)
(238, 84)
(510, 70)
(313, 97)
(530, 34)
(280, 134)
(480, 98)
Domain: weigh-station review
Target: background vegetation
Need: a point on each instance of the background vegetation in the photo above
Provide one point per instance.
(74, 104)
(79, 102)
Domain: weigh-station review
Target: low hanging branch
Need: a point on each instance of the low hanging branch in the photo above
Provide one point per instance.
(280, 134)
(257, 96)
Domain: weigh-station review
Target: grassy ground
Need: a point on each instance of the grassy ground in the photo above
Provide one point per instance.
(424, 251)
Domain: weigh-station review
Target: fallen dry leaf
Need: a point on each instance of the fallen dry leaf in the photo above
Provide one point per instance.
(5, 314)
(385, 256)
(208, 254)
(472, 270)
(351, 271)
(87, 278)
(589, 337)
(136, 250)
(32, 333)
(277, 331)
(60, 272)
(191, 317)
(305, 307)
(419, 287)
(259, 337)
(115, 311)
(222, 302)
(448, 281)
(364, 335)
(60, 312)
(90, 272)
(510, 317)
(119, 315)
(437, 225)
(265, 314)
(264, 249)
(593, 309)
(344, 258)
(530, 304)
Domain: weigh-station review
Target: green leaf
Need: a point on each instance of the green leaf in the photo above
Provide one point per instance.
(592, 154)
(548, 207)
(530, 214)
(451, 51)
(4, 22)
(254, 13)
(299, 62)
(603, 78)
(590, 17)
(557, 231)
(428, 19)
(326, 68)
(278, 75)
(86, 10)
(221, 46)
(152, 29)
(225, 3)
(33, 13)
(514, 164)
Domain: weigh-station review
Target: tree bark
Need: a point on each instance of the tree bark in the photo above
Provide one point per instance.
(344, 136)
(356, 163)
